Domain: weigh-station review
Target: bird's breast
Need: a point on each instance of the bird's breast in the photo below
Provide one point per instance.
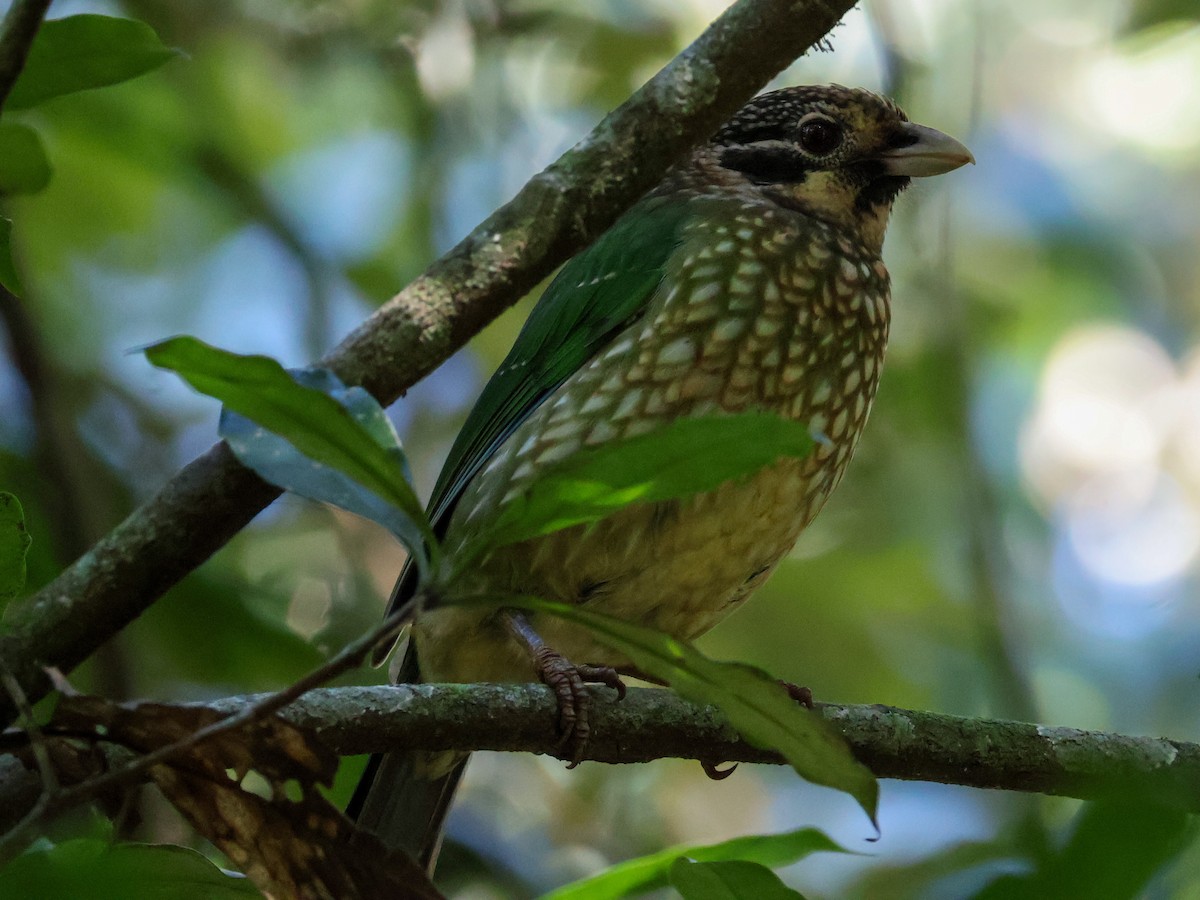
(755, 312)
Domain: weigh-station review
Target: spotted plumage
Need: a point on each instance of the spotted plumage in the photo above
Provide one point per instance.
(750, 279)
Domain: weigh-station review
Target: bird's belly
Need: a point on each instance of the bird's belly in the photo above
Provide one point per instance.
(797, 331)
(679, 567)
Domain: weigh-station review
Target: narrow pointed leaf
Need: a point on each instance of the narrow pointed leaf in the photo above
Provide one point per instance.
(648, 873)
(681, 458)
(1115, 850)
(754, 702)
(14, 543)
(733, 880)
(102, 870)
(24, 168)
(279, 462)
(316, 424)
(77, 53)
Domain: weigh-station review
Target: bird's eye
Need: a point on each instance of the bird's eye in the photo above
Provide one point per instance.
(820, 136)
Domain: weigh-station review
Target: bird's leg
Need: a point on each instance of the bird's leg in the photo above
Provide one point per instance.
(567, 680)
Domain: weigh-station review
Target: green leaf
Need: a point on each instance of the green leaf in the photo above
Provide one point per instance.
(648, 873)
(681, 458)
(279, 462)
(83, 52)
(8, 271)
(734, 880)
(1115, 849)
(24, 168)
(100, 870)
(14, 543)
(754, 702)
(316, 424)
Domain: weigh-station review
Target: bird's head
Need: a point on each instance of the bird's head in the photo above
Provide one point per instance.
(835, 153)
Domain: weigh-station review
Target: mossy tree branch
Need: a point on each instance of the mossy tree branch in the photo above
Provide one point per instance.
(654, 724)
(553, 216)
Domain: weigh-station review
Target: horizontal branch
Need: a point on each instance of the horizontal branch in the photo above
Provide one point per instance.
(653, 724)
(553, 216)
(656, 724)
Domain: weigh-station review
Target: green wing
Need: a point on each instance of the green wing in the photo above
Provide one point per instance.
(596, 295)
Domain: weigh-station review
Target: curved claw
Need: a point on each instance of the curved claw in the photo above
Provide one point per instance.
(711, 770)
(605, 675)
(569, 683)
(802, 695)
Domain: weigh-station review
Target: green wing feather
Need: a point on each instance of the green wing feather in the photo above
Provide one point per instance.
(596, 295)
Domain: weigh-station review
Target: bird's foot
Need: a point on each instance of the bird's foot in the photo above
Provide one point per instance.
(567, 680)
(569, 683)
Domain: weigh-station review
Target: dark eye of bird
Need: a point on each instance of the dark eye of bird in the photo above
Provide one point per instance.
(820, 136)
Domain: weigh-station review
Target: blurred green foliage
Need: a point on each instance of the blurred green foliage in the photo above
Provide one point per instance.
(1018, 531)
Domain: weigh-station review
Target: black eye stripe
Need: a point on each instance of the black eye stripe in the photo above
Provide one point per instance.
(772, 163)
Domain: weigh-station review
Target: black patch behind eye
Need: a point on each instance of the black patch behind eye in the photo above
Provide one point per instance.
(767, 164)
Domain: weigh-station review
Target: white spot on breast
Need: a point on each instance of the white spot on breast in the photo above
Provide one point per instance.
(554, 453)
(601, 432)
(629, 404)
(595, 403)
(767, 327)
(559, 432)
(792, 373)
(640, 426)
(839, 424)
(705, 292)
(679, 352)
(620, 348)
(730, 329)
(612, 384)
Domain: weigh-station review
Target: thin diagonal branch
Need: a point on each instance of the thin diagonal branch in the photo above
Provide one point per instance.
(554, 215)
(20, 27)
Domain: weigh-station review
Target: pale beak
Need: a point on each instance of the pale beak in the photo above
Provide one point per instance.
(926, 151)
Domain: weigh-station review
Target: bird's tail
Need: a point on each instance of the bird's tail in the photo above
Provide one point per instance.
(403, 798)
